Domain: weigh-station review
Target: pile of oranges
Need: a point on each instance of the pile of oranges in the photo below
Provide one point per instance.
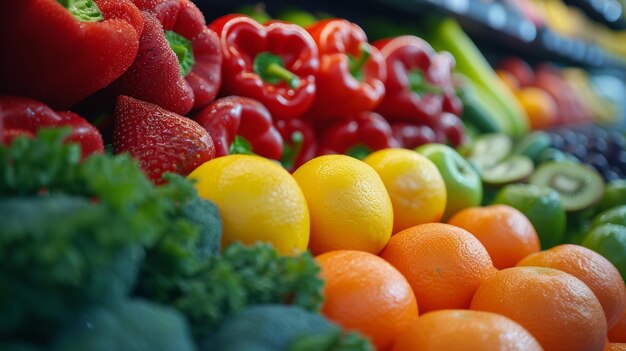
(398, 275)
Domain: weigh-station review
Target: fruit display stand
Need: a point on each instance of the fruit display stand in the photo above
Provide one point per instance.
(313, 176)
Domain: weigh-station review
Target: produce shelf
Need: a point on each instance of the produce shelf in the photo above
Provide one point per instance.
(607, 12)
(490, 23)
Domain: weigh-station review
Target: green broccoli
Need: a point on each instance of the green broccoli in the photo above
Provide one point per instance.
(74, 233)
(243, 275)
(127, 326)
(278, 328)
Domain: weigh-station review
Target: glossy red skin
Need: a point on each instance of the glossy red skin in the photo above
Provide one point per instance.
(308, 148)
(242, 38)
(368, 129)
(408, 53)
(339, 93)
(519, 69)
(412, 135)
(185, 19)
(50, 56)
(162, 141)
(22, 116)
(234, 115)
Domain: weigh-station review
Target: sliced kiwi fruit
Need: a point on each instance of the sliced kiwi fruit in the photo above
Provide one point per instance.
(580, 186)
(513, 169)
(490, 149)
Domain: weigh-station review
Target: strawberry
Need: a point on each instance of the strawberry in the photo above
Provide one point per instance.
(161, 140)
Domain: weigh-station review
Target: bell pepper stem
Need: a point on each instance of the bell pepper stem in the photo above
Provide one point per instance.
(283, 74)
(270, 67)
(83, 10)
(291, 152)
(419, 85)
(357, 64)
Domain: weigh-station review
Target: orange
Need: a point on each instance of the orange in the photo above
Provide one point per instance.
(558, 309)
(615, 347)
(416, 188)
(258, 200)
(593, 269)
(349, 206)
(465, 330)
(444, 264)
(618, 332)
(505, 232)
(509, 79)
(363, 292)
(540, 107)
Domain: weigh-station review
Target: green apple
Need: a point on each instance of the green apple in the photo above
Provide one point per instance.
(463, 183)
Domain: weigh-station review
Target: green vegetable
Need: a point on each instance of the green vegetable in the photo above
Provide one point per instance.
(446, 34)
(278, 328)
(74, 233)
(128, 326)
(209, 290)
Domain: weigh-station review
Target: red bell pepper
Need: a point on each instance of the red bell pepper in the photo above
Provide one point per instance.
(60, 54)
(274, 63)
(22, 116)
(300, 142)
(358, 136)
(178, 66)
(419, 81)
(411, 135)
(352, 72)
(233, 116)
(447, 129)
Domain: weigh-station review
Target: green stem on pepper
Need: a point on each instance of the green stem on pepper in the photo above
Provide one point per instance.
(83, 10)
(271, 68)
(183, 49)
(419, 85)
(357, 64)
(291, 151)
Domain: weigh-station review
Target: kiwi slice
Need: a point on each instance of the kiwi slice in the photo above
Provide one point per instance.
(490, 149)
(580, 186)
(513, 169)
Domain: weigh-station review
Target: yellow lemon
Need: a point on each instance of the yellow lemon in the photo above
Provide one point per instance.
(416, 188)
(350, 208)
(258, 200)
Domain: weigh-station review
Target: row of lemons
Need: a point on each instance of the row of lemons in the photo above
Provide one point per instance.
(402, 278)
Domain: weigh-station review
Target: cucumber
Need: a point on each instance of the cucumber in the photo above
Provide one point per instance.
(475, 111)
(447, 34)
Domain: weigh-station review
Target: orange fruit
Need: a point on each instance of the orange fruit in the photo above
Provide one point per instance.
(593, 269)
(558, 309)
(618, 332)
(465, 330)
(349, 206)
(509, 79)
(505, 232)
(415, 186)
(540, 107)
(258, 200)
(444, 264)
(365, 293)
(614, 346)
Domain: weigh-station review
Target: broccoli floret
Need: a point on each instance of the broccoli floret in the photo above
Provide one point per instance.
(241, 276)
(74, 232)
(279, 327)
(128, 326)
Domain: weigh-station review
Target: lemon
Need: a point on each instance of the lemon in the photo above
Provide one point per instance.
(414, 183)
(349, 205)
(258, 200)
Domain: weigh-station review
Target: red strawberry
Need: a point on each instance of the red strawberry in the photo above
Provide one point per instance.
(161, 140)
